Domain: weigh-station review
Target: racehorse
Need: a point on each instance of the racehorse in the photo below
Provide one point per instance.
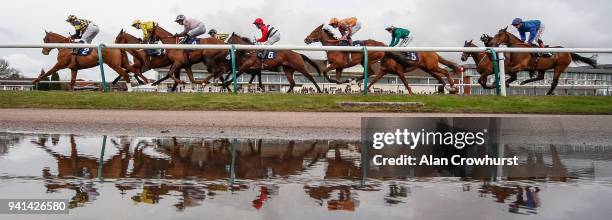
(338, 59)
(182, 58)
(427, 61)
(116, 59)
(289, 60)
(528, 61)
(226, 65)
(141, 57)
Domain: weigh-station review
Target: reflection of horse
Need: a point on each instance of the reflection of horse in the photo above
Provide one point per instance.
(116, 59)
(528, 61)
(289, 60)
(339, 60)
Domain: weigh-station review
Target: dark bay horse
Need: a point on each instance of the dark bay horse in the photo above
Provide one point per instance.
(225, 65)
(338, 59)
(289, 60)
(526, 61)
(181, 58)
(116, 59)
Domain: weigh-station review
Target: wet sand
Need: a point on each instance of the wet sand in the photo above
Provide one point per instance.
(229, 124)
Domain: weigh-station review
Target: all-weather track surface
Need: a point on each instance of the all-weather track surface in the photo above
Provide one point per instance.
(240, 124)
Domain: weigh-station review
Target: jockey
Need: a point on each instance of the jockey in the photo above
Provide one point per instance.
(193, 28)
(146, 28)
(347, 27)
(86, 30)
(398, 34)
(534, 27)
(221, 37)
(269, 34)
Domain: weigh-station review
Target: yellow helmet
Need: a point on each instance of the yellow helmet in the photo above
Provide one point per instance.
(334, 21)
(136, 22)
(71, 18)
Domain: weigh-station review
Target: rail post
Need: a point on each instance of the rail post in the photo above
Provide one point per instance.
(495, 69)
(101, 63)
(234, 79)
(365, 70)
(502, 73)
(101, 161)
(232, 176)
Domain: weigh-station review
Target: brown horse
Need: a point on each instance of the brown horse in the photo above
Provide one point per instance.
(144, 62)
(427, 61)
(339, 60)
(116, 59)
(528, 61)
(484, 64)
(289, 60)
(182, 58)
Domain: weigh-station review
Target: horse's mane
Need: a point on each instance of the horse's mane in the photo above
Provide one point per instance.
(246, 39)
(510, 34)
(328, 32)
(59, 36)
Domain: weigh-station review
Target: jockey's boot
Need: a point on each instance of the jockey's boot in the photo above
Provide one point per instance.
(542, 45)
(75, 51)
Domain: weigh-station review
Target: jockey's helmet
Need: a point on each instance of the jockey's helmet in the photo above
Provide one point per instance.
(212, 31)
(517, 21)
(71, 18)
(334, 21)
(390, 28)
(136, 22)
(258, 21)
(180, 18)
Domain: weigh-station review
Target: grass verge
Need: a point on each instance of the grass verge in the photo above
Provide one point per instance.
(305, 103)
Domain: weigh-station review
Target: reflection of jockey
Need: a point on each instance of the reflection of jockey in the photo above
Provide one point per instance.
(347, 27)
(269, 34)
(221, 37)
(193, 28)
(398, 34)
(534, 27)
(146, 28)
(86, 30)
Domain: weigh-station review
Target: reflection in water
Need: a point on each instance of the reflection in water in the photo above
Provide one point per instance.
(190, 172)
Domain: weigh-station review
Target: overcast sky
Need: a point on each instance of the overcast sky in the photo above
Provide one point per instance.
(569, 23)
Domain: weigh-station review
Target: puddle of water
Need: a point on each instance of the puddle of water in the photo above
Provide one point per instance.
(117, 177)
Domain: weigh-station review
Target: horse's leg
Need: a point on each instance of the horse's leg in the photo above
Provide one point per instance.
(339, 75)
(259, 81)
(289, 74)
(379, 75)
(405, 81)
(540, 76)
(332, 66)
(302, 69)
(163, 78)
(176, 68)
(72, 79)
(116, 80)
(58, 66)
(513, 77)
(439, 78)
(555, 82)
(122, 73)
(483, 80)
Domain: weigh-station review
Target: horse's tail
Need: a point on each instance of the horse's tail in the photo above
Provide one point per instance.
(308, 60)
(592, 61)
(449, 64)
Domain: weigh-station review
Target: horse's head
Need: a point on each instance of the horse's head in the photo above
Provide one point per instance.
(50, 38)
(126, 38)
(502, 37)
(466, 55)
(319, 34)
(237, 39)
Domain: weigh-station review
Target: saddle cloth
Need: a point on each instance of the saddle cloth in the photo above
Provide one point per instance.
(84, 51)
(267, 55)
(356, 43)
(412, 56)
